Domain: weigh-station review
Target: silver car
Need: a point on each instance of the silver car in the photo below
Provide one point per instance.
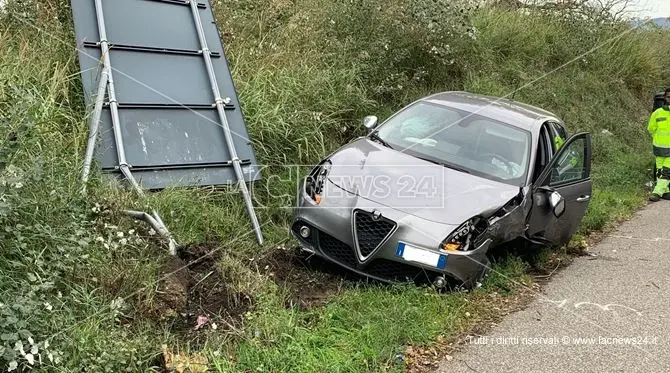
(430, 190)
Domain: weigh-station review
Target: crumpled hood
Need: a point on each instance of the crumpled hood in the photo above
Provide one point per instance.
(415, 186)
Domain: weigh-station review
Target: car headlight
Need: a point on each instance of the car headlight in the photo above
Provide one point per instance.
(316, 181)
(462, 238)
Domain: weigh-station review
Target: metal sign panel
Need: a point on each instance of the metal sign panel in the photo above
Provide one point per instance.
(168, 119)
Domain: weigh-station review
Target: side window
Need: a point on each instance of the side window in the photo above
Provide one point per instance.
(558, 134)
(543, 153)
(571, 166)
(560, 130)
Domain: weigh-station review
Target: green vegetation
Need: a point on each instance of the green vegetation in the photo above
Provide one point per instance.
(78, 280)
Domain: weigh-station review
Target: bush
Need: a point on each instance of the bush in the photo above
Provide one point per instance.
(399, 45)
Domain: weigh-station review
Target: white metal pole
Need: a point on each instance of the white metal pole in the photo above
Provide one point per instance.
(113, 104)
(154, 220)
(94, 127)
(224, 121)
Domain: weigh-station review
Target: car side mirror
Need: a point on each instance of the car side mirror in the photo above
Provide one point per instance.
(370, 122)
(557, 203)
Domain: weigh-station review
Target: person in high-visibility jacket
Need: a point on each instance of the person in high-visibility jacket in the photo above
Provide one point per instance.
(659, 128)
(558, 141)
(573, 160)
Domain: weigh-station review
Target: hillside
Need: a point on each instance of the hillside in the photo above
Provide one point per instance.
(663, 23)
(81, 285)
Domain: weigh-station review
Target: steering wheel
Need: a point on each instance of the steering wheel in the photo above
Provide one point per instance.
(507, 166)
(426, 141)
(494, 155)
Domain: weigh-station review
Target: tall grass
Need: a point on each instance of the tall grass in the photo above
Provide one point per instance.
(76, 274)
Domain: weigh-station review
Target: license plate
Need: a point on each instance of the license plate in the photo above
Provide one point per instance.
(415, 254)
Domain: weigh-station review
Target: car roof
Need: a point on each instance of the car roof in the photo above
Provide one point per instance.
(505, 110)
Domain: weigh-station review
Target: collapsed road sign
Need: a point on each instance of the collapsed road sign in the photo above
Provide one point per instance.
(171, 116)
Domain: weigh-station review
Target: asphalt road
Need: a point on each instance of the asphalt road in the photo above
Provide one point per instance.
(572, 325)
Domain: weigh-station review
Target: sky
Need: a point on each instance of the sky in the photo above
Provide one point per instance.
(650, 8)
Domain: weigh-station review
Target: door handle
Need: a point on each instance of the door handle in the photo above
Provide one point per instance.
(583, 198)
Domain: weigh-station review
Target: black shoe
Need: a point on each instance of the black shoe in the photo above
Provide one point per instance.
(666, 196)
(654, 198)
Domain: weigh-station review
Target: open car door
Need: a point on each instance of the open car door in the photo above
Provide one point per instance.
(562, 193)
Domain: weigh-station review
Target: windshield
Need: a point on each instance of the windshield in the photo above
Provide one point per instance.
(461, 140)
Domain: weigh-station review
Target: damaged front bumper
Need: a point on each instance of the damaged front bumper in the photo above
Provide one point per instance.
(383, 243)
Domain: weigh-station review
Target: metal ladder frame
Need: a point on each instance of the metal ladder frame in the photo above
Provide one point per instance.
(106, 81)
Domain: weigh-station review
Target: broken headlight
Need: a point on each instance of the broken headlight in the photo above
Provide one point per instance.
(316, 181)
(463, 237)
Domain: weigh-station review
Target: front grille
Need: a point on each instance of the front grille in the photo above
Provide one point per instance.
(396, 271)
(337, 250)
(371, 233)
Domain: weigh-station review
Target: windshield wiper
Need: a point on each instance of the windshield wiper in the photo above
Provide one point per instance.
(375, 136)
(453, 167)
(447, 165)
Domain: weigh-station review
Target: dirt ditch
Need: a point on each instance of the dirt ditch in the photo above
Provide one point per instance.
(192, 287)
(309, 281)
(192, 293)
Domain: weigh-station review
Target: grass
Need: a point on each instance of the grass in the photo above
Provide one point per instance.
(78, 280)
(365, 328)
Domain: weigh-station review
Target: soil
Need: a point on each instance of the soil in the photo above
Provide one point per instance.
(192, 286)
(310, 281)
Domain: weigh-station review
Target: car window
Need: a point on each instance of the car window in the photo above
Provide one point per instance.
(559, 135)
(560, 130)
(571, 165)
(460, 139)
(543, 153)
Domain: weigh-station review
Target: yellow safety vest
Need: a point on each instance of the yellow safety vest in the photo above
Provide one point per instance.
(659, 128)
(559, 141)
